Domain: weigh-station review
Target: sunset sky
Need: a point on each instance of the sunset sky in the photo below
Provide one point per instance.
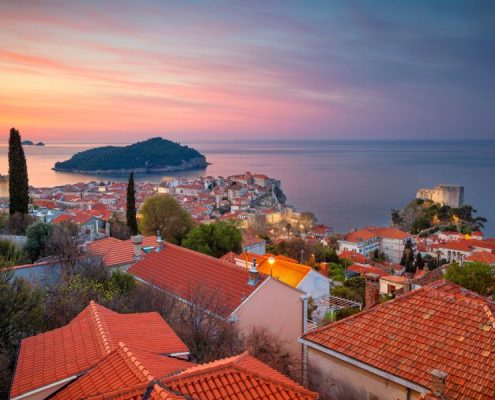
(117, 71)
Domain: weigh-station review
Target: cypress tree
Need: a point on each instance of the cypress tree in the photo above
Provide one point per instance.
(18, 177)
(131, 206)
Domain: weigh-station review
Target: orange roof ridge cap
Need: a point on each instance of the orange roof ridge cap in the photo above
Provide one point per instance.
(205, 368)
(136, 363)
(489, 314)
(99, 325)
(294, 386)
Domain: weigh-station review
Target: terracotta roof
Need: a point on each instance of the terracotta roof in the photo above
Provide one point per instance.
(364, 269)
(122, 368)
(182, 272)
(60, 353)
(321, 229)
(440, 326)
(236, 378)
(229, 257)
(458, 245)
(118, 252)
(394, 278)
(360, 236)
(353, 256)
(376, 231)
(288, 272)
(389, 233)
(482, 257)
(429, 277)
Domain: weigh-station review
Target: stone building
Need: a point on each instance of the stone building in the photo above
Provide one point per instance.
(446, 195)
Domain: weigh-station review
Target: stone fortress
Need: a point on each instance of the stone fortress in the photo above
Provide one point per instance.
(446, 195)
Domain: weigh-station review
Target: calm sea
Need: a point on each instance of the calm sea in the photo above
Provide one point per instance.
(345, 183)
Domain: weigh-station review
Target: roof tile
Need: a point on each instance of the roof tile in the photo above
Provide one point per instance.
(397, 338)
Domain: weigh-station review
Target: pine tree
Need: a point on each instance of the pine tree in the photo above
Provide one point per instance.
(407, 259)
(131, 206)
(419, 261)
(18, 177)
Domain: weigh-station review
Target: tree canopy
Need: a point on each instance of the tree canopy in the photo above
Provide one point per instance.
(163, 213)
(38, 236)
(474, 276)
(154, 153)
(214, 239)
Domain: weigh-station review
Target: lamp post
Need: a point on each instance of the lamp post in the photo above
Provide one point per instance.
(271, 261)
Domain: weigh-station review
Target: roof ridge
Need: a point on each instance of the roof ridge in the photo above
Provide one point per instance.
(432, 288)
(100, 326)
(232, 362)
(134, 361)
(295, 386)
(206, 256)
(489, 314)
(203, 368)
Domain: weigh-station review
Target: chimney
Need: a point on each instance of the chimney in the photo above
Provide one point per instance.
(137, 241)
(253, 274)
(372, 290)
(159, 242)
(438, 379)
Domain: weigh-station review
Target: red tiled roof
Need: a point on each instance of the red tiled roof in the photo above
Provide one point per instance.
(61, 218)
(322, 229)
(364, 269)
(360, 236)
(182, 271)
(236, 378)
(353, 256)
(440, 326)
(482, 257)
(466, 245)
(459, 245)
(229, 257)
(118, 252)
(60, 353)
(389, 233)
(122, 368)
(376, 231)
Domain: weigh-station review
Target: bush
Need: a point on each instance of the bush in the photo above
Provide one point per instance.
(38, 236)
(474, 276)
(10, 254)
(214, 239)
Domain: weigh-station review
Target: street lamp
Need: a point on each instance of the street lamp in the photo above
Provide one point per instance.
(271, 261)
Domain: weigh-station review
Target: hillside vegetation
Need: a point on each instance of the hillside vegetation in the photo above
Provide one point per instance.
(154, 154)
(425, 216)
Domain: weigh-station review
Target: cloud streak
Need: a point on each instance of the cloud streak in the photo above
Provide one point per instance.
(201, 70)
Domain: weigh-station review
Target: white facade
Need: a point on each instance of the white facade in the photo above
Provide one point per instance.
(391, 247)
(394, 248)
(364, 247)
(315, 284)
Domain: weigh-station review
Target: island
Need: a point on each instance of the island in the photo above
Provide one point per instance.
(155, 155)
(441, 208)
(31, 143)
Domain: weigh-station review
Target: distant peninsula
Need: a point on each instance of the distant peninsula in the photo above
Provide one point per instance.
(31, 143)
(154, 155)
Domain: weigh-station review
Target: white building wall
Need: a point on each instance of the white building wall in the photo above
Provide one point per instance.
(315, 284)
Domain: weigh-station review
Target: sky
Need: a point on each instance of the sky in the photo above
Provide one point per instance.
(118, 71)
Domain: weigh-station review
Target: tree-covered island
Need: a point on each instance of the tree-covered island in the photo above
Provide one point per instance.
(150, 156)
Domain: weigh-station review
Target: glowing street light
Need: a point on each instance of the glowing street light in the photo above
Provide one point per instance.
(271, 261)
